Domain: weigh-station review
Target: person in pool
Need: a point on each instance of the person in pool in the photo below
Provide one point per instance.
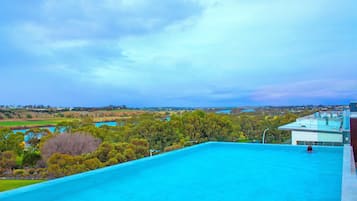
(309, 148)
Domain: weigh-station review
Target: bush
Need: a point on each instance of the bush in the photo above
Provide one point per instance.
(92, 164)
(8, 159)
(31, 171)
(63, 164)
(70, 144)
(18, 172)
(173, 147)
(120, 157)
(30, 158)
(42, 172)
(103, 151)
(112, 161)
(2, 171)
(129, 154)
(141, 147)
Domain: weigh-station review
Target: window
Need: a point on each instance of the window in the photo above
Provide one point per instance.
(319, 143)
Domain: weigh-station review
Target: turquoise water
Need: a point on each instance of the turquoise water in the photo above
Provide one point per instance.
(224, 112)
(110, 123)
(206, 172)
(52, 128)
(248, 110)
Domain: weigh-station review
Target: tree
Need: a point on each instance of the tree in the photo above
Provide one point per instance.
(103, 151)
(71, 144)
(30, 158)
(34, 136)
(141, 147)
(67, 126)
(10, 141)
(7, 159)
(60, 165)
(129, 154)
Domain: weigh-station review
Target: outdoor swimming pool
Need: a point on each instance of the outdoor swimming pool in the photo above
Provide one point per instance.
(210, 171)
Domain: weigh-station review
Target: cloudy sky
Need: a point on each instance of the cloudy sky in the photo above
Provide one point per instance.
(178, 52)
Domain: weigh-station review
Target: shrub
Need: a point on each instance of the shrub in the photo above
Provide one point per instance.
(18, 172)
(141, 147)
(31, 171)
(111, 161)
(63, 164)
(2, 171)
(71, 144)
(103, 151)
(129, 154)
(8, 159)
(120, 157)
(30, 158)
(173, 147)
(92, 164)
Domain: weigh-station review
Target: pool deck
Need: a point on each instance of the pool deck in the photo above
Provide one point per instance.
(349, 178)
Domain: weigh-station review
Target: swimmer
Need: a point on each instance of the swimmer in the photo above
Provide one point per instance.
(309, 148)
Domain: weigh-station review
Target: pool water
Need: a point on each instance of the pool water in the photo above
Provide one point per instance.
(211, 171)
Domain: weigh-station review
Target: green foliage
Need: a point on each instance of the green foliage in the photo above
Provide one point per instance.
(10, 141)
(67, 126)
(103, 151)
(34, 136)
(60, 165)
(120, 157)
(19, 172)
(30, 158)
(141, 147)
(129, 154)
(8, 159)
(251, 127)
(92, 164)
(111, 161)
(173, 147)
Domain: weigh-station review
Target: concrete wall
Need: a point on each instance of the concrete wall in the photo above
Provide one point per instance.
(314, 137)
(302, 136)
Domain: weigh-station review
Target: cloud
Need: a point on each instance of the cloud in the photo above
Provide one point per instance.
(107, 19)
(307, 90)
(188, 51)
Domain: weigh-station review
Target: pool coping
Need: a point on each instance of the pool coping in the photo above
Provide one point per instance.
(349, 178)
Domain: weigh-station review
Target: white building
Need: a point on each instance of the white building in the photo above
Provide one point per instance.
(321, 128)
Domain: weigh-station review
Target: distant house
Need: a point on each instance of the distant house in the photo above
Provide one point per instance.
(321, 128)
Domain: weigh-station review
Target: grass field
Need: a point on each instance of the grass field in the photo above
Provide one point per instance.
(30, 123)
(54, 121)
(12, 184)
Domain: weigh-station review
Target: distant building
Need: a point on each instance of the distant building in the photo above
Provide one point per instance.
(321, 128)
(353, 124)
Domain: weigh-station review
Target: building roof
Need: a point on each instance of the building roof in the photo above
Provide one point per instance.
(327, 121)
(298, 126)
